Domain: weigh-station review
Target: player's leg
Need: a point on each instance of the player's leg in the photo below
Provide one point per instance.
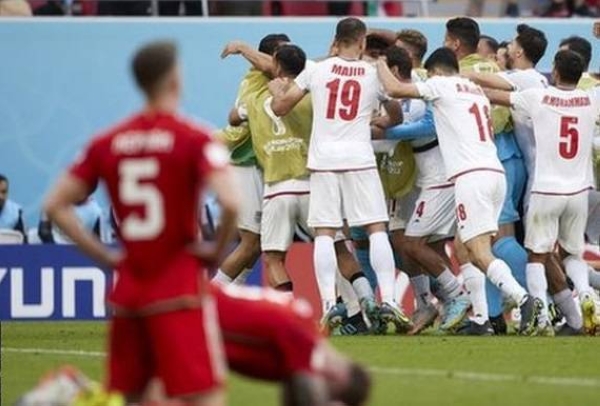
(130, 365)
(479, 199)
(188, 351)
(325, 217)
(505, 245)
(571, 246)
(238, 265)
(541, 234)
(562, 296)
(434, 217)
(360, 239)
(278, 225)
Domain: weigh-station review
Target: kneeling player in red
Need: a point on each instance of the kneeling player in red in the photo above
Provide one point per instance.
(273, 337)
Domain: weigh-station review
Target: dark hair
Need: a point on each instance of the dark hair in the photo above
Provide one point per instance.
(442, 58)
(466, 30)
(580, 45)
(569, 65)
(152, 63)
(291, 58)
(533, 42)
(415, 40)
(490, 41)
(350, 30)
(399, 57)
(503, 44)
(3, 178)
(269, 44)
(357, 391)
(376, 43)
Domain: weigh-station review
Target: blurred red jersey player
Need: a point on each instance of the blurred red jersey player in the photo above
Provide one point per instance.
(154, 166)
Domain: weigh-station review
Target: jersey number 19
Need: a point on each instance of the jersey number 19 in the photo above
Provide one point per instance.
(349, 98)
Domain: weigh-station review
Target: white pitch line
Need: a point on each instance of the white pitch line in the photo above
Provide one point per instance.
(415, 372)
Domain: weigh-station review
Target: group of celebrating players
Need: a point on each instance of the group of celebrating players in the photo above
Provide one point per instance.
(368, 142)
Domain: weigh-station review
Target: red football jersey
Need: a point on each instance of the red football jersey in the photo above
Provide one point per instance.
(154, 166)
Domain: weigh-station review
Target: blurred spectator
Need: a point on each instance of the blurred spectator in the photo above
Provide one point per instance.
(15, 8)
(501, 57)
(171, 7)
(475, 8)
(11, 214)
(487, 47)
(88, 212)
(236, 8)
(568, 8)
(124, 8)
(50, 8)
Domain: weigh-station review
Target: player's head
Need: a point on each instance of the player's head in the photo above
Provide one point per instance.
(415, 43)
(568, 67)
(462, 35)
(580, 45)
(358, 388)
(375, 47)
(442, 62)
(289, 61)
(269, 43)
(529, 44)
(399, 62)
(3, 190)
(351, 32)
(487, 47)
(156, 71)
(502, 55)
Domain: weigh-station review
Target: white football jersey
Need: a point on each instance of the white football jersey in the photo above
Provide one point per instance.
(523, 79)
(344, 95)
(463, 123)
(563, 127)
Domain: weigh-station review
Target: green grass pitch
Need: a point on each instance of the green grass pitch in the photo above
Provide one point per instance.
(502, 371)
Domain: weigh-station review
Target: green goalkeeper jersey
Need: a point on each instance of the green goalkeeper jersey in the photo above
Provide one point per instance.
(397, 171)
(280, 143)
(238, 139)
(501, 120)
(587, 81)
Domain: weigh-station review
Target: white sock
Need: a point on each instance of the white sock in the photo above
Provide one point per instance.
(499, 274)
(325, 269)
(221, 278)
(421, 290)
(537, 285)
(401, 286)
(565, 302)
(362, 287)
(241, 278)
(577, 270)
(449, 283)
(348, 294)
(382, 261)
(594, 278)
(475, 284)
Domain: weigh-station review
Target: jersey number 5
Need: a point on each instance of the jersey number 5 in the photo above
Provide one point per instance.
(569, 138)
(348, 98)
(132, 192)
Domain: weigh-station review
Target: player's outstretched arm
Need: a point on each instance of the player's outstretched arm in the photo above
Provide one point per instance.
(499, 97)
(259, 60)
(394, 112)
(423, 128)
(59, 205)
(285, 96)
(490, 80)
(392, 86)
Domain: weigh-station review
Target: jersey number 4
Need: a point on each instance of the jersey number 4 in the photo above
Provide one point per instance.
(349, 98)
(133, 192)
(569, 138)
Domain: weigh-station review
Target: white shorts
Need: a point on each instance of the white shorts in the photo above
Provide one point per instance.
(280, 216)
(479, 197)
(552, 218)
(434, 214)
(356, 196)
(401, 209)
(250, 185)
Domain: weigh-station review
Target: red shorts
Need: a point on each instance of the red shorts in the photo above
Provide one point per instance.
(181, 347)
(266, 335)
